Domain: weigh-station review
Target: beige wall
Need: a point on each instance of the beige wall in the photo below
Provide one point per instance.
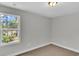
(35, 31)
(65, 31)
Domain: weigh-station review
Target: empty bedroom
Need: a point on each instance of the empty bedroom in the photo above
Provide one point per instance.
(39, 28)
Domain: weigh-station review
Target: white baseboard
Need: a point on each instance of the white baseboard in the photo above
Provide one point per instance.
(17, 53)
(59, 45)
(62, 46)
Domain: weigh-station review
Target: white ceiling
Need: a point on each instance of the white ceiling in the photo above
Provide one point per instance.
(42, 8)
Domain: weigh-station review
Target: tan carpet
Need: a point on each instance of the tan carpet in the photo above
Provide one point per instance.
(50, 50)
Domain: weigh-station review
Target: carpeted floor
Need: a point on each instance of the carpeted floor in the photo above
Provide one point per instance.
(50, 50)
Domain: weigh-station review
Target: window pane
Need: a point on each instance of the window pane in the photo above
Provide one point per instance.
(9, 36)
(9, 21)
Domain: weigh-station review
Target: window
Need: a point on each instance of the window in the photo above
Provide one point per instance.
(9, 29)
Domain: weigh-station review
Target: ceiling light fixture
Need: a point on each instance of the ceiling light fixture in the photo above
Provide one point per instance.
(52, 4)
